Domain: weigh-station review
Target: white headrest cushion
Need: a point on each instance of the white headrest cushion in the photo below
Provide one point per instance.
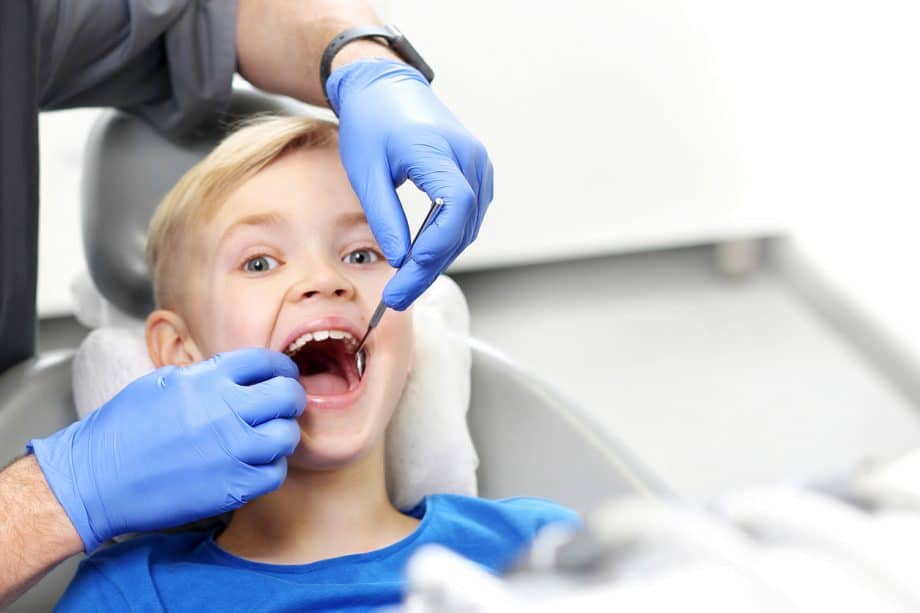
(429, 449)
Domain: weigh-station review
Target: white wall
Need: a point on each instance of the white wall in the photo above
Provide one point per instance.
(639, 123)
(613, 125)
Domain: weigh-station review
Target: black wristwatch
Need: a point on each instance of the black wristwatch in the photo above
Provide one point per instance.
(389, 33)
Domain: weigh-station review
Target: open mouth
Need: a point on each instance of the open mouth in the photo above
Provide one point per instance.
(326, 361)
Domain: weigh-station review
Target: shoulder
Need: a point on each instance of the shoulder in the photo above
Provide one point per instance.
(491, 532)
(525, 514)
(143, 549)
(538, 511)
(104, 580)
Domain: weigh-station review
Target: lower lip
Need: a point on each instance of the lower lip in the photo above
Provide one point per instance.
(338, 401)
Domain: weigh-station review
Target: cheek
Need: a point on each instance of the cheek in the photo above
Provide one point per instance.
(400, 340)
(238, 316)
(369, 283)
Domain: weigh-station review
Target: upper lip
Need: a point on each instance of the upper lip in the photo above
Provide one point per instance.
(331, 322)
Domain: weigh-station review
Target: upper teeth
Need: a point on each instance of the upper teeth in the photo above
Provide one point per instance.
(321, 335)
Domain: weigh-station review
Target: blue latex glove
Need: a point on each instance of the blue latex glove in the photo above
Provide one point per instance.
(177, 445)
(393, 127)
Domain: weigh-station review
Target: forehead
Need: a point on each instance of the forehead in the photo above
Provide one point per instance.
(306, 183)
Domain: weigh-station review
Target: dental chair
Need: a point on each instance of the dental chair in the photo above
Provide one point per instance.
(530, 440)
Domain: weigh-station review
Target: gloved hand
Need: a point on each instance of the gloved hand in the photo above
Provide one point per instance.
(177, 445)
(393, 127)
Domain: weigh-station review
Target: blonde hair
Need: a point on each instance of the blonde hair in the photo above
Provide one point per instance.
(198, 195)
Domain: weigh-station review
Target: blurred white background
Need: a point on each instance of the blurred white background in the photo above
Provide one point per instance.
(622, 129)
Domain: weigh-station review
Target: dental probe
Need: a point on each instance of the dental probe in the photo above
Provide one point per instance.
(436, 205)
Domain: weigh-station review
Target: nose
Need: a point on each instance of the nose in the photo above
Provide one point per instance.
(322, 279)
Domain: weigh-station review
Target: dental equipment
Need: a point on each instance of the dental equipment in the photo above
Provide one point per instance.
(360, 358)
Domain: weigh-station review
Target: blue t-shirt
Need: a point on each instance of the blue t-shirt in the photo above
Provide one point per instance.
(189, 572)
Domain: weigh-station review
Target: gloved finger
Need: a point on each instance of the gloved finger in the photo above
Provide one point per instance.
(265, 443)
(373, 183)
(251, 365)
(472, 229)
(273, 475)
(441, 178)
(262, 402)
(484, 198)
(260, 480)
(476, 166)
(473, 161)
(451, 259)
(409, 282)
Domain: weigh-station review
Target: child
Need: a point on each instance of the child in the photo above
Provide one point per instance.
(264, 243)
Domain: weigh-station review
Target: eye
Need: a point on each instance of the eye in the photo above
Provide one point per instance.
(361, 257)
(260, 263)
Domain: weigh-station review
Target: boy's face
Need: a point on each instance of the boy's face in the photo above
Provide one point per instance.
(290, 253)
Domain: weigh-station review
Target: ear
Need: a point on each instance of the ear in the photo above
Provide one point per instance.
(169, 341)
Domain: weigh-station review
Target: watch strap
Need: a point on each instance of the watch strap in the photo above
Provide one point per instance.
(389, 33)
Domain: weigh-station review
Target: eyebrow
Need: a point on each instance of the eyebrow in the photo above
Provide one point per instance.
(257, 219)
(344, 220)
(348, 220)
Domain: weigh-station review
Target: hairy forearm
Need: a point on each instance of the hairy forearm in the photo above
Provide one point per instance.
(280, 42)
(35, 533)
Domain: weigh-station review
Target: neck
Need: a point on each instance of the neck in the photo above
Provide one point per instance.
(319, 515)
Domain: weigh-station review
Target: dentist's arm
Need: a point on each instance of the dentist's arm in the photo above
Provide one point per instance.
(393, 128)
(35, 532)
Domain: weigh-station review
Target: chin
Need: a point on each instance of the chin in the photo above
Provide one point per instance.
(329, 451)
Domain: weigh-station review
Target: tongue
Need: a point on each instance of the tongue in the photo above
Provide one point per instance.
(324, 384)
